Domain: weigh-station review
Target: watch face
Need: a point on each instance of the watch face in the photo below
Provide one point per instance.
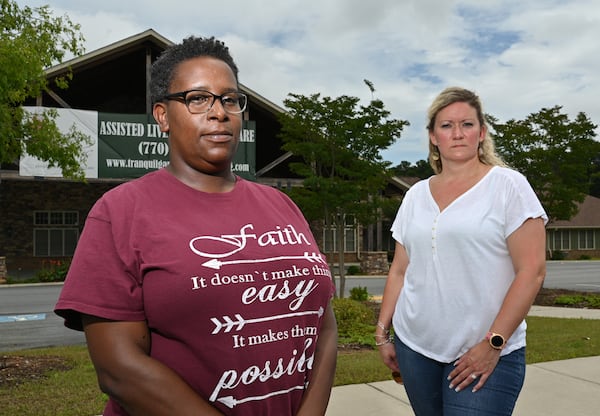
(497, 341)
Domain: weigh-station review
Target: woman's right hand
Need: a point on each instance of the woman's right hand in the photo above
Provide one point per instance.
(391, 294)
(388, 355)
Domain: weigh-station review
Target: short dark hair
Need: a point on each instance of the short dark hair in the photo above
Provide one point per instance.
(164, 68)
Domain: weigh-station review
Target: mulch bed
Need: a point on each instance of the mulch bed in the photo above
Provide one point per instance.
(14, 370)
(546, 297)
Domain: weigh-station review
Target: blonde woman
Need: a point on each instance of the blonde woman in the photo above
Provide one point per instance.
(468, 263)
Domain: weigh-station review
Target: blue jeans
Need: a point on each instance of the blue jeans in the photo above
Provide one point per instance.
(426, 384)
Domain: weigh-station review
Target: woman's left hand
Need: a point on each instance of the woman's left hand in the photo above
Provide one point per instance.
(477, 364)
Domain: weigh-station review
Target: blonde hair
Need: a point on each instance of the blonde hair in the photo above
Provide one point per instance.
(451, 95)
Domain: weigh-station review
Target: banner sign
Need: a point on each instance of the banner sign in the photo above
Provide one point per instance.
(244, 162)
(129, 145)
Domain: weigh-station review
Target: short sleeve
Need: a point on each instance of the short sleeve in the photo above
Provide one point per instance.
(101, 282)
(521, 204)
(399, 225)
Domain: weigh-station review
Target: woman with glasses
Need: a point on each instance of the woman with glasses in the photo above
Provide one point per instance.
(468, 263)
(201, 293)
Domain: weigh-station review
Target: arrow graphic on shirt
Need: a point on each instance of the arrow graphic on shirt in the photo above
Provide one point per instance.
(231, 401)
(217, 264)
(239, 322)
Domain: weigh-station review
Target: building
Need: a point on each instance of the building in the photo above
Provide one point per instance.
(42, 214)
(579, 237)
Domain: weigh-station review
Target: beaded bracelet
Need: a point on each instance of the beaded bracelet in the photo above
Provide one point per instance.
(387, 340)
(382, 326)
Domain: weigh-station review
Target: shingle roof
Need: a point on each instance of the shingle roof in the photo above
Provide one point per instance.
(588, 215)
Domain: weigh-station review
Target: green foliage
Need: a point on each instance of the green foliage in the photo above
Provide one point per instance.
(76, 392)
(30, 41)
(353, 270)
(10, 280)
(359, 293)
(559, 255)
(595, 178)
(53, 271)
(586, 301)
(421, 169)
(338, 145)
(556, 155)
(355, 321)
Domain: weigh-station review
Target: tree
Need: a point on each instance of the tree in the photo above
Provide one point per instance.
(555, 153)
(421, 169)
(339, 144)
(30, 41)
(595, 177)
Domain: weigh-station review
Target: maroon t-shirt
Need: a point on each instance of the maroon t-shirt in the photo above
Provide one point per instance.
(232, 285)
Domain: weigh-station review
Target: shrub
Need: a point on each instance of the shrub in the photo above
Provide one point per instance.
(568, 300)
(53, 271)
(359, 293)
(355, 321)
(582, 301)
(559, 255)
(353, 270)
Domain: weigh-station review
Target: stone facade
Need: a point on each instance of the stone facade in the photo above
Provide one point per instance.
(3, 271)
(374, 263)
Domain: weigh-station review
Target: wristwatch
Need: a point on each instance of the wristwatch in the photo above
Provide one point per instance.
(496, 341)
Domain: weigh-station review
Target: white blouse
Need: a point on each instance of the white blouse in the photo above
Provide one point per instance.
(459, 266)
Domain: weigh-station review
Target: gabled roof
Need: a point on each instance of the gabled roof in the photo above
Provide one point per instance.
(124, 46)
(407, 181)
(121, 47)
(261, 101)
(400, 184)
(588, 215)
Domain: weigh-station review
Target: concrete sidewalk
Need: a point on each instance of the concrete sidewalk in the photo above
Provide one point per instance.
(569, 387)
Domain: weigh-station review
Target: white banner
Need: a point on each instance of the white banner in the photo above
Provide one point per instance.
(85, 122)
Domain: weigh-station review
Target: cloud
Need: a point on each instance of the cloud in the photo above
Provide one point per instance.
(518, 55)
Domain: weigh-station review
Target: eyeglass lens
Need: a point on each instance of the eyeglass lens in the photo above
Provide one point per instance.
(202, 101)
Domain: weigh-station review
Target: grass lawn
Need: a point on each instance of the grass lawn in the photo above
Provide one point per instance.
(70, 389)
(69, 386)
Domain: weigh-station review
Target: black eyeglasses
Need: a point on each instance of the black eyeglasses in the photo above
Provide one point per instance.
(201, 101)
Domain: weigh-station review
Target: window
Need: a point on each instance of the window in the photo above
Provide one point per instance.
(586, 240)
(43, 218)
(350, 236)
(350, 231)
(55, 233)
(560, 240)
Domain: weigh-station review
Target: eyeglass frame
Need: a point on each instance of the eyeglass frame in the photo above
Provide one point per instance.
(181, 97)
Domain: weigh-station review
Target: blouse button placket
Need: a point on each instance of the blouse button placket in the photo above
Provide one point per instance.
(433, 234)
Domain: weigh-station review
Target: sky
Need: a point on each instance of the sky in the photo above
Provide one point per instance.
(519, 56)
